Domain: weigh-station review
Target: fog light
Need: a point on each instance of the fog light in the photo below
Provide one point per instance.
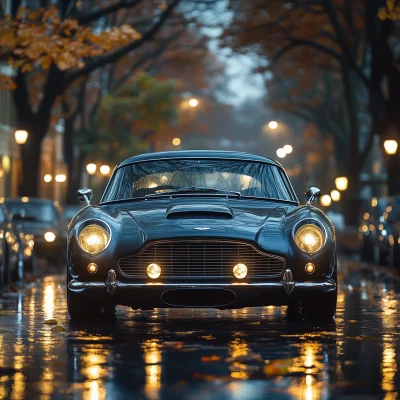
(49, 237)
(153, 271)
(310, 268)
(92, 268)
(240, 271)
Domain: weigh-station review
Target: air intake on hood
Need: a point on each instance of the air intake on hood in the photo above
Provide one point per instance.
(199, 211)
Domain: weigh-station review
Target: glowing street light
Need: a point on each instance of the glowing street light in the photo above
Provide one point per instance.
(61, 178)
(48, 178)
(105, 169)
(21, 136)
(341, 183)
(281, 153)
(326, 200)
(335, 195)
(273, 125)
(91, 168)
(390, 146)
(176, 141)
(288, 148)
(193, 102)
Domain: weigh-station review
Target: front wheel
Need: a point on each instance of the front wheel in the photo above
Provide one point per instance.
(319, 307)
(81, 307)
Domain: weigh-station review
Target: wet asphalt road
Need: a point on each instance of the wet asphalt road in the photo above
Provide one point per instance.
(205, 354)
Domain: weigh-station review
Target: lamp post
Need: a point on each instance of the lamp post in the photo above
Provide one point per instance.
(390, 146)
(341, 183)
(21, 136)
(91, 169)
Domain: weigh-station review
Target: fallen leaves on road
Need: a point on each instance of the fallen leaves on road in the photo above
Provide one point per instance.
(278, 367)
(208, 337)
(247, 358)
(173, 345)
(58, 328)
(50, 321)
(212, 358)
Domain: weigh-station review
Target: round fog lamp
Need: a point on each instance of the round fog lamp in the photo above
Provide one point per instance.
(153, 271)
(310, 268)
(49, 237)
(92, 268)
(240, 271)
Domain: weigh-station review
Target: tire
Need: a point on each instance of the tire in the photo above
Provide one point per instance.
(5, 276)
(82, 307)
(322, 307)
(31, 265)
(367, 251)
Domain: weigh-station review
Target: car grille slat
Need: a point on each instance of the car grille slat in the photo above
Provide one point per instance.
(201, 259)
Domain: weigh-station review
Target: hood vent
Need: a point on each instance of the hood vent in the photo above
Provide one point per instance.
(199, 211)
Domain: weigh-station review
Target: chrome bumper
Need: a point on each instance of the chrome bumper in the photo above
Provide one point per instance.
(111, 285)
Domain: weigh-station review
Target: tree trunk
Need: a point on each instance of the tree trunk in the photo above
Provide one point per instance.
(351, 197)
(30, 153)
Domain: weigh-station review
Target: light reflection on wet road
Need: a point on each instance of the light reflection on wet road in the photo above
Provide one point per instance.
(205, 354)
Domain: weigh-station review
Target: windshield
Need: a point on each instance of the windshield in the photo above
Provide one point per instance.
(255, 179)
(39, 212)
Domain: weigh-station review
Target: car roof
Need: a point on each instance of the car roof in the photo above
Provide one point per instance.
(236, 155)
(32, 200)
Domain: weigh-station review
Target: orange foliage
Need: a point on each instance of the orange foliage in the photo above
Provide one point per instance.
(41, 38)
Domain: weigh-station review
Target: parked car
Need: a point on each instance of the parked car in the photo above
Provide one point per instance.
(68, 213)
(9, 250)
(201, 229)
(16, 250)
(371, 229)
(41, 218)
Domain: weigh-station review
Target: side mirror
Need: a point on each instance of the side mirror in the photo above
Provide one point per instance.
(85, 194)
(312, 193)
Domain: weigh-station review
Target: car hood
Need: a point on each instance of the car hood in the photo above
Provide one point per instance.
(37, 228)
(195, 217)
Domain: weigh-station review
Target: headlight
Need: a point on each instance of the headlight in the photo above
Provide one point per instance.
(49, 237)
(93, 239)
(309, 238)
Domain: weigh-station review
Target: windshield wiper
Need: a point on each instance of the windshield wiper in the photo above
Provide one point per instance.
(195, 189)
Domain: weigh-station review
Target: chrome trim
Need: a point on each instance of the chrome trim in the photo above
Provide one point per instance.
(267, 161)
(111, 282)
(329, 284)
(179, 240)
(318, 224)
(288, 281)
(92, 221)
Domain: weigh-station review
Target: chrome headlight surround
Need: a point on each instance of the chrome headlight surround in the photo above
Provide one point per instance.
(99, 223)
(317, 224)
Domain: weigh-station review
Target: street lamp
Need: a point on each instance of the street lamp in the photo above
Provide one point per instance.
(176, 141)
(335, 195)
(61, 178)
(193, 102)
(272, 125)
(390, 146)
(91, 168)
(281, 153)
(48, 178)
(341, 183)
(326, 200)
(105, 169)
(288, 148)
(21, 136)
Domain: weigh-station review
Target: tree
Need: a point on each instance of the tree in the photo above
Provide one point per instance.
(73, 50)
(303, 39)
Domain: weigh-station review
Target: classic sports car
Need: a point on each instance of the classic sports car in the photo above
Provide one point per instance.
(201, 229)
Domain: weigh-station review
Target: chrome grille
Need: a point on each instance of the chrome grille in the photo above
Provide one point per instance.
(201, 259)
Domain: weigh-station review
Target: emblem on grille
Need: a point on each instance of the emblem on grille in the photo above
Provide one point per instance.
(202, 229)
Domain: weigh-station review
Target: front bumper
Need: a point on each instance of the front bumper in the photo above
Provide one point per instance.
(151, 295)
